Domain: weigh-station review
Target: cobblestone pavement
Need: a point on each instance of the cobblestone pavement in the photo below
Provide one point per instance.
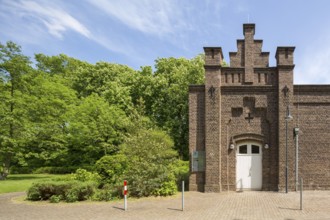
(232, 206)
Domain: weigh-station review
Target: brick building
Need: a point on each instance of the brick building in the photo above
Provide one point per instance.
(241, 133)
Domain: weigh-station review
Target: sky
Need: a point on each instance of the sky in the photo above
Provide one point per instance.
(137, 32)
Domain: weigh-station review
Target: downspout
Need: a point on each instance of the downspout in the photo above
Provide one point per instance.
(227, 144)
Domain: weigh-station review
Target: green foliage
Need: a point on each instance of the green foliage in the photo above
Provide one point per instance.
(45, 190)
(112, 168)
(181, 172)
(106, 193)
(84, 175)
(150, 159)
(55, 170)
(94, 129)
(63, 114)
(13, 98)
(70, 191)
(55, 198)
(167, 188)
(169, 107)
(80, 192)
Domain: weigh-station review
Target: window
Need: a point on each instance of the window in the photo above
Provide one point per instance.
(243, 149)
(255, 149)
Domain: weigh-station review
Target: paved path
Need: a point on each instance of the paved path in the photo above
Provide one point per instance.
(231, 206)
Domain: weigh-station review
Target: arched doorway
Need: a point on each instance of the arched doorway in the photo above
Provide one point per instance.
(249, 166)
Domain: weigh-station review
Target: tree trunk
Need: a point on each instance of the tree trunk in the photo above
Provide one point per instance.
(5, 167)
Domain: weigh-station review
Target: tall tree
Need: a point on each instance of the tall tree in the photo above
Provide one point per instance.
(95, 129)
(13, 66)
(50, 100)
(170, 104)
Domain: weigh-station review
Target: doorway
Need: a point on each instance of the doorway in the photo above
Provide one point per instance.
(249, 167)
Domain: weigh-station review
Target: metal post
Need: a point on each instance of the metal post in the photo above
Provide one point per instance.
(125, 195)
(287, 118)
(301, 190)
(296, 132)
(182, 195)
(286, 155)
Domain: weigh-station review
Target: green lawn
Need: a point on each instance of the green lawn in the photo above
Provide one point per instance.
(21, 182)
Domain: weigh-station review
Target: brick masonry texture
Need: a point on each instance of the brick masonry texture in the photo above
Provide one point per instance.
(218, 113)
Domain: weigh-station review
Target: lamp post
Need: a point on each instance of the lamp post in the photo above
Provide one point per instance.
(287, 118)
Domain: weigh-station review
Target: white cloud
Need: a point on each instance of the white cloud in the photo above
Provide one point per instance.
(314, 67)
(56, 20)
(148, 16)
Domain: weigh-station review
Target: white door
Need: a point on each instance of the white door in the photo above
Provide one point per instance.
(249, 167)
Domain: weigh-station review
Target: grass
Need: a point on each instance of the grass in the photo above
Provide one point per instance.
(21, 182)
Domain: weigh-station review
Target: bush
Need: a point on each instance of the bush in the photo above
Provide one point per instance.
(151, 164)
(167, 188)
(84, 175)
(60, 170)
(103, 195)
(33, 193)
(69, 191)
(45, 190)
(112, 168)
(80, 192)
(55, 198)
(181, 172)
(20, 170)
(55, 170)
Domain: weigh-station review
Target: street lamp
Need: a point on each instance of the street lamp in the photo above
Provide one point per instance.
(288, 117)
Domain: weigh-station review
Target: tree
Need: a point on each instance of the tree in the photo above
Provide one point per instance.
(170, 103)
(95, 129)
(50, 100)
(111, 81)
(13, 66)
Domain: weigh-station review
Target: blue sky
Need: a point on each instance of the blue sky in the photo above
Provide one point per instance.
(136, 32)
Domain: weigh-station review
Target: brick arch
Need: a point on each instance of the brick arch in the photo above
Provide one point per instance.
(259, 138)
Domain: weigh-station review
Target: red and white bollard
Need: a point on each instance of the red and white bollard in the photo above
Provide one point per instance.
(125, 195)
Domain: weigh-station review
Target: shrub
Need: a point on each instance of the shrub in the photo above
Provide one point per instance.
(55, 170)
(167, 188)
(151, 164)
(112, 168)
(20, 170)
(45, 190)
(181, 172)
(84, 175)
(33, 193)
(70, 191)
(102, 195)
(55, 198)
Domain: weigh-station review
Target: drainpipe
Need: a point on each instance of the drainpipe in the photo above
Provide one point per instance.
(228, 154)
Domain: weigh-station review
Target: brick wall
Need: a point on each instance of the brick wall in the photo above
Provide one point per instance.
(249, 101)
(196, 132)
(312, 116)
